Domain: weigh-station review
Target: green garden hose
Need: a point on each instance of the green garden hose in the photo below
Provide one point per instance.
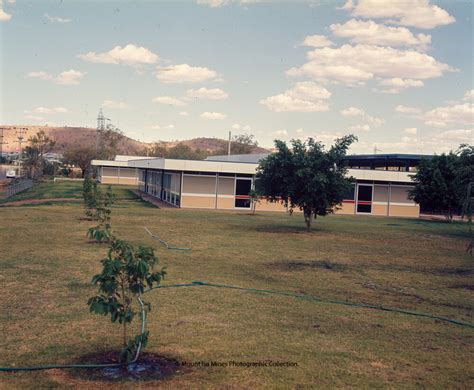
(254, 290)
(155, 237)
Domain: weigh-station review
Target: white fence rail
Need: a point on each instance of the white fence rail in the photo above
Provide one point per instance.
(19, 186)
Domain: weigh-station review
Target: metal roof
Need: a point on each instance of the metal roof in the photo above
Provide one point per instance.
(239, 158)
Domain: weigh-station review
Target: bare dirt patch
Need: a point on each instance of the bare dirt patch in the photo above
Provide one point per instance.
(148, 367)
(304, 265)
(463, 286)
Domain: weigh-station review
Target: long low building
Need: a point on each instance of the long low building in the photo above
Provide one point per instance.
(224, 182)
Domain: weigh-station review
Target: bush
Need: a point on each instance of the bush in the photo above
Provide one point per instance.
(127, 272)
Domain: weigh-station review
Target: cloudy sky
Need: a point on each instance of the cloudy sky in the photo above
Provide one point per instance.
(398, 74)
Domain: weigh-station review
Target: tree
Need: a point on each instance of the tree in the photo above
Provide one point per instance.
(241, 144)
(127, 272)
(108, 142)
(441, 181)
(179, 151)
(100, 202)
(80, 156)
(307, 177)
(39, 145)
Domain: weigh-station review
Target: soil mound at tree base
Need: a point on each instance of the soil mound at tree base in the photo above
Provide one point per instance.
(148, 367)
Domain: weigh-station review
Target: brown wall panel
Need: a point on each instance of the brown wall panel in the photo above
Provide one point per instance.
(109, 180)
(206, 202)
(346, 208)
(379, 209)
(380, 193)
(400, 195)
(128, 172)
(405, 211)
(199, 184)
(127, 181)
(225, 203)
(265, 205)
(107, 171)
(226, 186)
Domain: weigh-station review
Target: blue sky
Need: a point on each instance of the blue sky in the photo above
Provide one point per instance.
(398, 74)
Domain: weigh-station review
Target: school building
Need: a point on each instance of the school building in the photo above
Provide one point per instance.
(382, 182)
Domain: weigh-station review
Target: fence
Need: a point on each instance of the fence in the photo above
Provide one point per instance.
(19, 186)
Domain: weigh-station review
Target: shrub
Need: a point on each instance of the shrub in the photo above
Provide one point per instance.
(127, 272)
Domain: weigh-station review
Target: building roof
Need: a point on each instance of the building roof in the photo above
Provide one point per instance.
(241, 158)
(200, 166)
(385, 160)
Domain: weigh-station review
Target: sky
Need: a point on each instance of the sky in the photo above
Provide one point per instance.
(397, 74)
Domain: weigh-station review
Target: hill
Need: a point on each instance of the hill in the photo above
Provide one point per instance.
(68, 136)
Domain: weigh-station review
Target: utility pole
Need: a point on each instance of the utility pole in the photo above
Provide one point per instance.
(230, 141)
(1, 147)
(21, 136)
(100, 129)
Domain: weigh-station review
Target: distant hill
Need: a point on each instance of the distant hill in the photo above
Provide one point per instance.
(209, 144)
(68, 136)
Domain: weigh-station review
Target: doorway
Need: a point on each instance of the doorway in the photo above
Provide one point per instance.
(364, 198)
(242, 189)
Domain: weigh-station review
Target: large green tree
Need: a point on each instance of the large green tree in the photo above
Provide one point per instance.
(33, 155)
(80, 156)
(442, 180)
(306, 176)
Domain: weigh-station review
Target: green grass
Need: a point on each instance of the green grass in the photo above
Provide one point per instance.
(46, 265)
(64, 189)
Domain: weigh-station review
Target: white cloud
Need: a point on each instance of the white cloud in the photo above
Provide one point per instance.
(455, 114)
(360, 113)
(168, 100)
(354, 65)
(369, 32)
(299, 131)
(160, 127)
(357, 128)
(127, 55)
(57, 19)
(35, 118)
(397, 84)
(207, 93)
(281, 132)
(415, 13)
(39, 75)
(352, 111)
(184, 73)
(220, 3)
(69, 77)
(213, 3)
(305, 96)
(115, 104)
(456, 136)
(407, 110)
(317, 41)
(213, 115)
(236, 126)
(469, 95)
(374, 121)
(410, 130)
(4, 16)
(46, 110)
(184, 113)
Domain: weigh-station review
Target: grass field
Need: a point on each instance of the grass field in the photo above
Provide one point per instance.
(46, 265)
